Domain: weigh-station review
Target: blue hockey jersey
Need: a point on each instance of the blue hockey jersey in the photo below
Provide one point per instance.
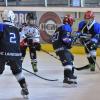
(59, 34)
(93, 30)
(9, 42)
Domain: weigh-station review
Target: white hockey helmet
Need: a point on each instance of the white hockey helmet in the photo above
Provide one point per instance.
(8, 15)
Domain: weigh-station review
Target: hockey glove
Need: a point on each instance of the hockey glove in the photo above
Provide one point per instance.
(67, 42)
(79, 35)
(83, 38)
(23, 43)
(92, 44)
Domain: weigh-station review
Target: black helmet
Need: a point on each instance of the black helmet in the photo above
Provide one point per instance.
(31, 15)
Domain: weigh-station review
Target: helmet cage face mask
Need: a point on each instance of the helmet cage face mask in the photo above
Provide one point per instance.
(89, 17)
(31, 18)
(8, 15)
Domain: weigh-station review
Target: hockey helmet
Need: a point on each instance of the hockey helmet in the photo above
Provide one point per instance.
(89, 15)
(8, 15)
(68, 19)
(31, 15)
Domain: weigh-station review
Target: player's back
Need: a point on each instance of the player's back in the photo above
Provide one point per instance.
(9, 41)
(57, 36)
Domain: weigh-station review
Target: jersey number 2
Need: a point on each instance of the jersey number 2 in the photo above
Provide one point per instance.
(12, 38)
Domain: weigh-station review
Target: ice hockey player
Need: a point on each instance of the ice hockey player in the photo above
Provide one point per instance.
(91, 31)
(10, 49)
(62, 42)
(30, 37)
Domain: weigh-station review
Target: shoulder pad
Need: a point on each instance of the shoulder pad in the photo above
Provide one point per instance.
(97, 28)
(81, 24)
(67, 28)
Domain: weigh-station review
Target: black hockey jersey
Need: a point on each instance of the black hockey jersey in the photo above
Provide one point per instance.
(9, 42)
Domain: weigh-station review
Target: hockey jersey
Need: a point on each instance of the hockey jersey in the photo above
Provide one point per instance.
(57, 41)
(92, 30)
(9, 41)
(30, 32)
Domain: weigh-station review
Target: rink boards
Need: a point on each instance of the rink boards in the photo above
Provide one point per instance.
(75, 49)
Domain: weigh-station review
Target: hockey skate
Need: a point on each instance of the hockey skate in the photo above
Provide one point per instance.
(34, 66)
(92, 68)
(24, 93)
(70, 81)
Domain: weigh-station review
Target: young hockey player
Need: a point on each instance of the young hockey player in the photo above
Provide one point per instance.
(89, 33)
(62, 42)
(10, 49)
(30, 37)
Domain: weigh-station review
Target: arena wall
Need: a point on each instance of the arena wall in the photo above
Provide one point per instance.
(60, 12)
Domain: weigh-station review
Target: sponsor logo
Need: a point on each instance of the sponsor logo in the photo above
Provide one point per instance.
(47, 23)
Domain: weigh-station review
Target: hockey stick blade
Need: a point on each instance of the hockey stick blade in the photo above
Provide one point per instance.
(39, 76)
(82, 68)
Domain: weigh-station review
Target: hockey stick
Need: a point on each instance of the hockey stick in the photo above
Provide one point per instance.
(35, 74)
(39, 76)
(50, 54)
(57, 58)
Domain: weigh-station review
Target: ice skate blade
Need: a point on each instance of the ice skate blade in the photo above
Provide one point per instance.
(69, 85)
(25, 97)
(35, 70)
